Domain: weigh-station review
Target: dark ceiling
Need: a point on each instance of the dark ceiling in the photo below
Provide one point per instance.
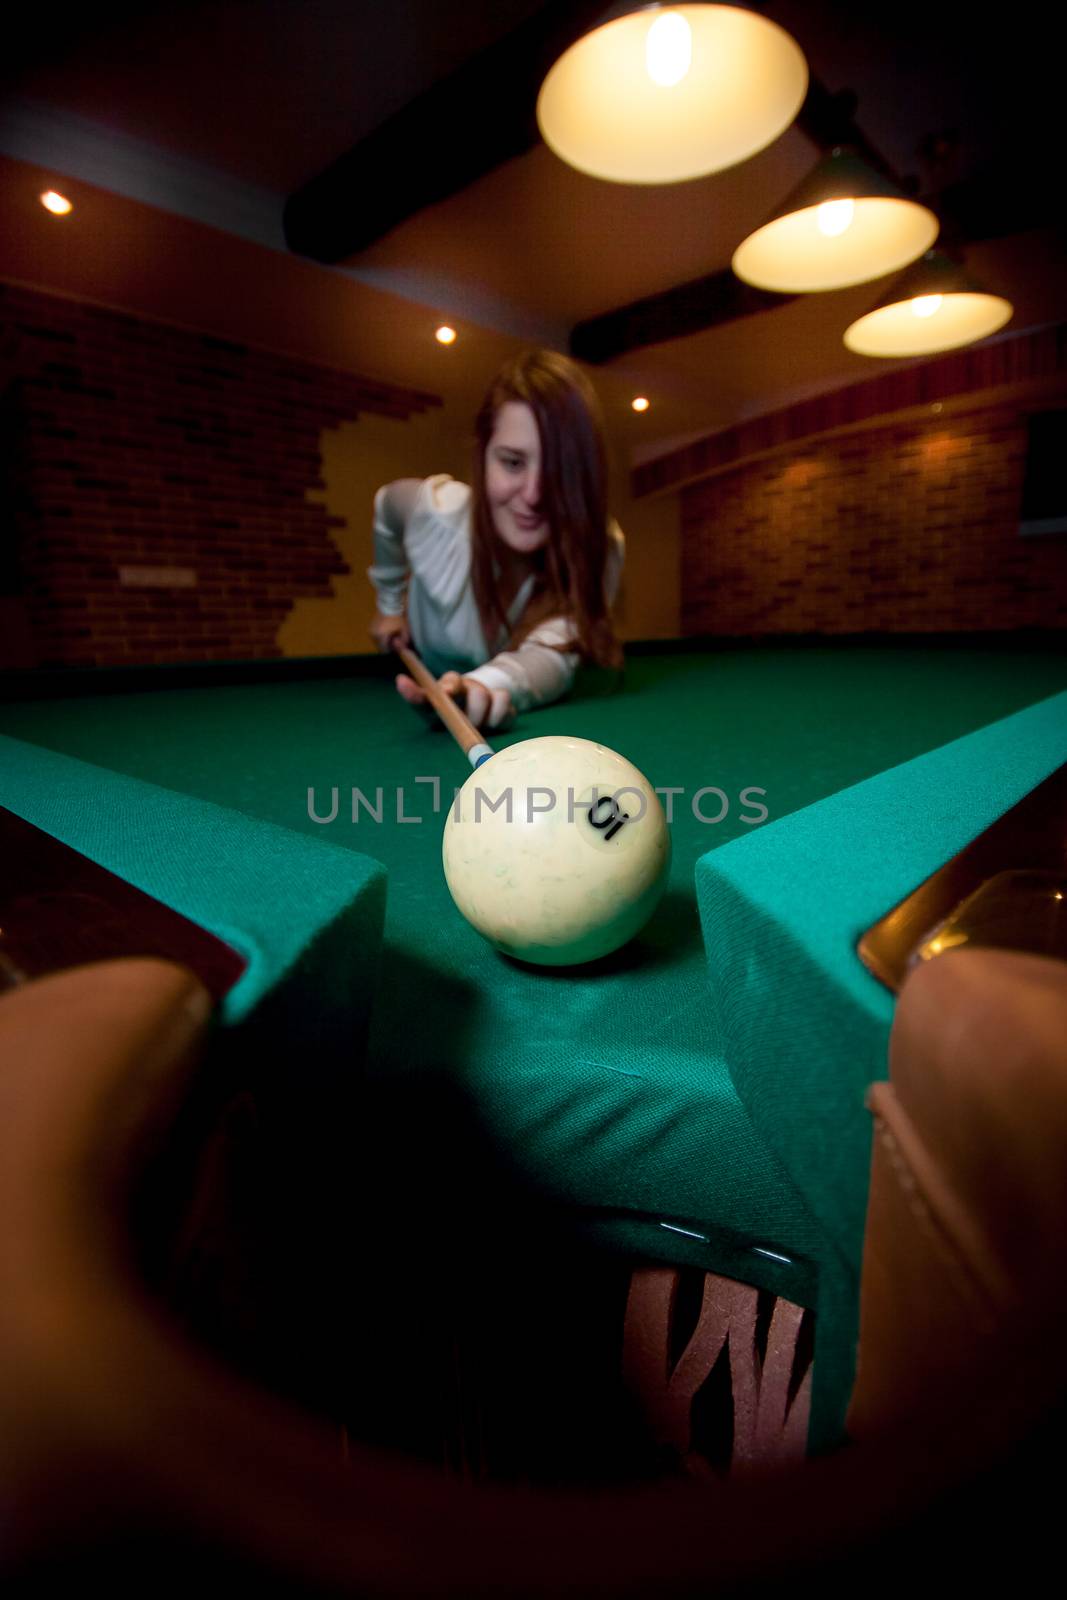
(400, 133)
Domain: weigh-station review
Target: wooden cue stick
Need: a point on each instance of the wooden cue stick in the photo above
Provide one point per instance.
(459, 726)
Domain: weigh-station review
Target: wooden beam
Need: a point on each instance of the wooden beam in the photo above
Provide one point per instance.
(480, 116)
(676, 313)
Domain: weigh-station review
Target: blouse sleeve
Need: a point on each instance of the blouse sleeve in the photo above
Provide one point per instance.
(538, 672)
(426, 531)
(389, 574)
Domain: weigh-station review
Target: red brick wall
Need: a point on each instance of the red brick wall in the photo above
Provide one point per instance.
(135, 445)
(820, 519)
(907, 528)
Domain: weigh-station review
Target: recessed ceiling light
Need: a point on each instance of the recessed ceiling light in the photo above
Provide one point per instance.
(639, 403)
(445, 335)
(57, 204)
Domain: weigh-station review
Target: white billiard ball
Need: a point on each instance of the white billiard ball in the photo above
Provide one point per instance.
(557, 850)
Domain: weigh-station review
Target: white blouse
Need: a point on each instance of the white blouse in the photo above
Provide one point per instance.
(428, 555)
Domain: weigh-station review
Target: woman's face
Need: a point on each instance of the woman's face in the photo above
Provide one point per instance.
(513, 479)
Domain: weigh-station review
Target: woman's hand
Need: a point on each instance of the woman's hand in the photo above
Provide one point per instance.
(388, 631)
(486, 708)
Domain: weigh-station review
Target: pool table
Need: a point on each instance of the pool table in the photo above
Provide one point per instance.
(696, 1098)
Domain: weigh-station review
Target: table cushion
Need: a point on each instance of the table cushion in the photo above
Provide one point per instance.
(801, 1024)
(306, 915)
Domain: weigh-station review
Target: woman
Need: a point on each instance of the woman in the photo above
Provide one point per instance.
(509, 582)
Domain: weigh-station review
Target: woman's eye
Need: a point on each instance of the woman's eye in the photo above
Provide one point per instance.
(512, 463)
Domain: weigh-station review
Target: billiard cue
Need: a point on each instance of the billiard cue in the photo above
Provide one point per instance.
(459, 726)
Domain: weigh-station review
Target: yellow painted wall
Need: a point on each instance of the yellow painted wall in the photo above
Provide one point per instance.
(649, 605)
(360, 456)
(357, 459)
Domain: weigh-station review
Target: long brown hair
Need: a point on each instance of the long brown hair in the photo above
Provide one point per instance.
(573, 501)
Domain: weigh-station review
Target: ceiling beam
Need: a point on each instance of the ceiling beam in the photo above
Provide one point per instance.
(480, 116)
(676, 313)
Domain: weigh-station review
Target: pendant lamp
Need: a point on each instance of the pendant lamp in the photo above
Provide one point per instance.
(934, 306)
(845, 223)
(658, 94)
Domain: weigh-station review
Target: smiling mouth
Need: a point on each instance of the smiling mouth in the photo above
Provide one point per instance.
(528, 523)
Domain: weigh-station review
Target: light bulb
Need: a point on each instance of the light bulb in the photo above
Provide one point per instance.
(834, 216)
(668, 49)
(639, 403)
(926, 305)
(445, 335)
(57, 204)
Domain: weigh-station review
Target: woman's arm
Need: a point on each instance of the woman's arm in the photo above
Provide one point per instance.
(393, 505)
(535, 673)
(444, 567)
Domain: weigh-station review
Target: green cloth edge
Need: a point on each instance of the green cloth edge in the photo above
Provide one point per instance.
(802, 1025)
(297, 908)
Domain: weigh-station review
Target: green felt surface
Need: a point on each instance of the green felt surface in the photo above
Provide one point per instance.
(606, 1087)
(801, 1021)
(305, 915)
(802, 1024)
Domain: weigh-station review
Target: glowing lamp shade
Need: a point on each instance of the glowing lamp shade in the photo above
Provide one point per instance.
(843, 224)
(935, 306)
(671, 92)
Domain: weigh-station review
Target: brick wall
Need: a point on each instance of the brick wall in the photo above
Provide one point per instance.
(160, 484)
(821, 519)
(903, 529)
